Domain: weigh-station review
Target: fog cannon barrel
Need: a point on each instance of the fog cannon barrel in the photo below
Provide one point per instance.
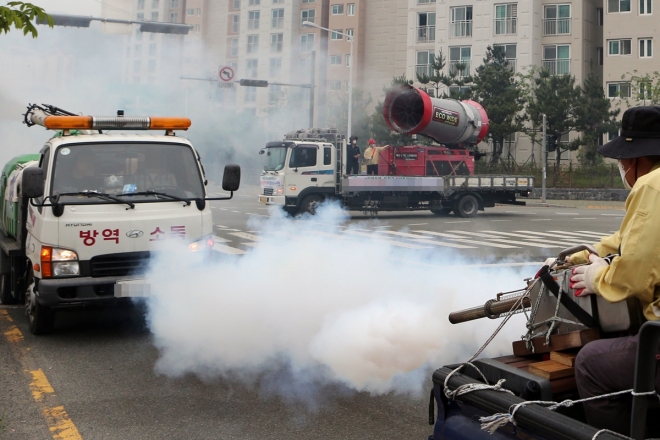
(408, 110)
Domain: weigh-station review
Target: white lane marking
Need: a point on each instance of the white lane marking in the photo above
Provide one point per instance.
(585, 218)
(217, 239)
(461, 221)
(443, 243)
(473, 265)
(229, 230)
(251, 244)
(540, 220)
(220, 226)
(245, 235)
(518, 212)
(401, 234)
(381, 227)
(380, 237)
(500, 220)
(566, 213)
(500, 240)
(560, 236)
(264, 208)
(615, 215)
(227, 249)
(577, 234)
(417, 224)
(599, 234)
(237, 212)
(466, 240)
(527, 237)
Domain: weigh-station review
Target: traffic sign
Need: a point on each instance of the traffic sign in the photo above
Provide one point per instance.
(226, 74)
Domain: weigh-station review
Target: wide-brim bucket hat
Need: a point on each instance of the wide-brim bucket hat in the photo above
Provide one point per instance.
(640, 134)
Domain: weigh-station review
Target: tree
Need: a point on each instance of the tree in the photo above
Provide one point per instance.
(558, 97)
(440, 81)
(22, 15)
(645, 89)
(595, 117)
(497, 90)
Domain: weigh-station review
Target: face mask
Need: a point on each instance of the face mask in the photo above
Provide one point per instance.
(623, 173)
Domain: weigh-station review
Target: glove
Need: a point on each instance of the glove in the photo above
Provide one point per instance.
(584, 277)
(550, 262)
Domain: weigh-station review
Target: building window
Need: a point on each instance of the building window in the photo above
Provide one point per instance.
(154, 16)
(136, 66)
(308, 1)
(275, 2)
(275, 67)
(506, 17)
(618, 90)
(174, 4)
(337, 9)
(235, 23)
(459, 60)
(645, 48)
(197, 28)
(155, 4)
(237, 4)
(198, 12)
(277, 19)
(557, 59)
(619, 47)
(250, 94)
(190, 12)
(140, 5)
(152, 66)
(152, 49)
(426, 27)
(140, 16)
(509, 54)
(174, 17)
(618, 6)
(254, 2)
(349, 32)
(252, 43)
(350, 9)
(461, 21)
(336, 34)
(424, 60)
(276, 42)
(458, 92)
(253, 20)
(599, 16)
(335, 60)
(252, 68)
(599, 55)
(335, 86)
(308, 15)
(348, 60)
(274, 94)
(556, 19)
(645, 7)
(425, 2)
(138, 49)
(307, 42)
(233, 47)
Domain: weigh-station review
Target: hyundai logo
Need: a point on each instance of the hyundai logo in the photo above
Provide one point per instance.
(134, 233)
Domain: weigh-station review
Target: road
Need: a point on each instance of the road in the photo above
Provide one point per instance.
(94, 378)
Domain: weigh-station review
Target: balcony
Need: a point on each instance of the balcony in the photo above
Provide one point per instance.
(557, 67)
(511, 64)
(461, 28)
(426, 34)
(506, 26)
(556, 26)
(459, 68)
(424, 69)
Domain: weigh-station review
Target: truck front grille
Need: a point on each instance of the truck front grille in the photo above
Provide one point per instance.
(127, 263)
(268, 191)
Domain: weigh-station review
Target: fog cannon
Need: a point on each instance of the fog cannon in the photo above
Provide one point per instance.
(408, 110)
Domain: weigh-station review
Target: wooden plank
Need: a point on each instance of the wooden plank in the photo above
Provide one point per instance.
(551, 370)
(563, 385)
(559, 342)
(563, 357)
(509, 359)
(523, 363)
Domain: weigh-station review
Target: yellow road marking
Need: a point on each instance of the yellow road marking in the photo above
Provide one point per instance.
(60, 425)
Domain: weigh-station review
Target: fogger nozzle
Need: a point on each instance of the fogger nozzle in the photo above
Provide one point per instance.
(492, 309)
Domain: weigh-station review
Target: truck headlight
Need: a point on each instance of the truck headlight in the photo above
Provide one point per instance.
(203, 244)
(57, 262)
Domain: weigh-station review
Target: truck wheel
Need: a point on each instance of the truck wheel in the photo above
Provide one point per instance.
(441, 211)
(41, 319)
(310, 203)
(467, 206)
(5, 290)
(291, 210)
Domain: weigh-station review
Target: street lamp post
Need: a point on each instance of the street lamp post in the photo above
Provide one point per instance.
(350, 71)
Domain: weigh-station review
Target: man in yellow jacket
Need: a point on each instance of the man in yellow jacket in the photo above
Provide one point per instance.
(608, 365)
(371, 156)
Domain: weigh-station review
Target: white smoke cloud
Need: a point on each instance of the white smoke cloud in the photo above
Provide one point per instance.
(357, 312)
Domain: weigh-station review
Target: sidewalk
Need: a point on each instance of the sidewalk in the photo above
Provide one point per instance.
(584, 204)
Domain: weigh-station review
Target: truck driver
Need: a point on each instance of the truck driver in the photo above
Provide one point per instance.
(607, 365)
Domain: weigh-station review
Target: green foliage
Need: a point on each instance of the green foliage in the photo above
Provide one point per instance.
(558, 97)
(441, 82)
(22, 15)
(645, 89)
(497, 90)
(596, 118)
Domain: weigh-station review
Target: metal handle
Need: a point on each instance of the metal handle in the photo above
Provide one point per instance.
(571, 250)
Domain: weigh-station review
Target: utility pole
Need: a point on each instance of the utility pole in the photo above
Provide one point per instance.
(311, 91)
(545, 162)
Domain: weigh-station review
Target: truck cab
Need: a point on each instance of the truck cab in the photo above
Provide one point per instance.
(108, 203)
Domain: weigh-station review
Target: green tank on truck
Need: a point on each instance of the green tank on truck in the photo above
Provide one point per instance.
(10, 215)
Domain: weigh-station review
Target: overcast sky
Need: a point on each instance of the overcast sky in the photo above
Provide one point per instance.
(76, 7)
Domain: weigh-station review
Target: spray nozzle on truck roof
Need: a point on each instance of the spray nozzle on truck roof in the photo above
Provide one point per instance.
(57, 119)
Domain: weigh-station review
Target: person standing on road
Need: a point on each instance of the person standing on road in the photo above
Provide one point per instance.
(371, 156)
(608, 365)
(352, 156)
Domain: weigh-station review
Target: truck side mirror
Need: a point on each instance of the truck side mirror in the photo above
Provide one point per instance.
(32, 185)
(231, 179)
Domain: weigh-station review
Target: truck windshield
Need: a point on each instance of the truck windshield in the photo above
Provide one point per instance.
(275, 158)
(133, 171)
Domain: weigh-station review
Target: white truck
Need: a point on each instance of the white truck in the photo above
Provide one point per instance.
(82, 219)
